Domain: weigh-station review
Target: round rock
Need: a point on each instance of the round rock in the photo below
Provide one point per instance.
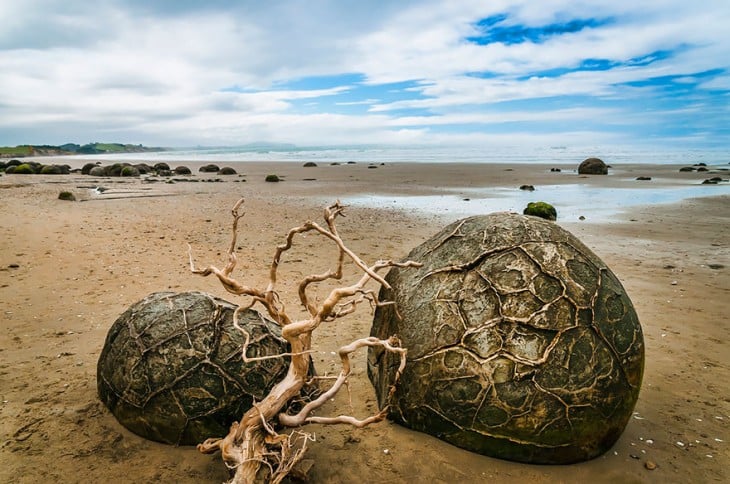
(521, 343)
(171, 368)
(593, 166)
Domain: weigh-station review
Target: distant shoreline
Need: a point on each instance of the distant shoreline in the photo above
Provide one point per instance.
(73, 149)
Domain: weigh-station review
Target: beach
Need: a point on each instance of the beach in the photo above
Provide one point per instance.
(69, 269)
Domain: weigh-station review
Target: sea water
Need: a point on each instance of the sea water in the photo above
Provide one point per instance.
(571, 200)
(434, 154)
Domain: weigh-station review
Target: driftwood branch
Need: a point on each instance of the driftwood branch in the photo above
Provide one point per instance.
(252, 445)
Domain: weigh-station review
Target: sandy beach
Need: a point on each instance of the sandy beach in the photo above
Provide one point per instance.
(69, 269)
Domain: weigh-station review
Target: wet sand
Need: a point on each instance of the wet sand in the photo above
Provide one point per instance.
(69, 269)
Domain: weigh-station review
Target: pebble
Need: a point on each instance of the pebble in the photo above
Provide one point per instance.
(651, 465)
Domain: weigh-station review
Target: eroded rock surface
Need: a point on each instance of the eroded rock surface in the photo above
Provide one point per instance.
(522, 344)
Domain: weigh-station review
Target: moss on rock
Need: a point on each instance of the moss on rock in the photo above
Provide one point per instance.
(542, 210)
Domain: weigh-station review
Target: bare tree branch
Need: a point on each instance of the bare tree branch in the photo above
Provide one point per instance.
(253, 441)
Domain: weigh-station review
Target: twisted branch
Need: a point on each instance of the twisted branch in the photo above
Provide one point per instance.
(251, 442)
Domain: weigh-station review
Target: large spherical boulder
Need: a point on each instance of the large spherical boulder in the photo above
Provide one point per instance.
(593, 166)
(171, 367)
(521, 343)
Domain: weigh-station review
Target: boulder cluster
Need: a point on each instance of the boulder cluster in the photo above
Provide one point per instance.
(33, 168)
(117, 169)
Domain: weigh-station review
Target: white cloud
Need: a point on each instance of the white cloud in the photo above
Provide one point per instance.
(137, 70)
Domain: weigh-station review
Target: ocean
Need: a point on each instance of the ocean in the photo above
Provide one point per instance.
(435, 154)
(570, 199)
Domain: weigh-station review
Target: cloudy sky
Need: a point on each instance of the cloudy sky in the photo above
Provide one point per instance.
(406, 72)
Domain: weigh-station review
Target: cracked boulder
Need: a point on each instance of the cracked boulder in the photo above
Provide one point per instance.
(171, 367)
(522, 344)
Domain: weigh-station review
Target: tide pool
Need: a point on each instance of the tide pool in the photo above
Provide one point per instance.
(596, 204)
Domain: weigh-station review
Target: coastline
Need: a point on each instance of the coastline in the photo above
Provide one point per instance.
(80, 265)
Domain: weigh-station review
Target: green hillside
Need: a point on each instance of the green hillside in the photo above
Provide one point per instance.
(71, 149)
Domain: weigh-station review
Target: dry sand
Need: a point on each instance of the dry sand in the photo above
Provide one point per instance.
(68, 270)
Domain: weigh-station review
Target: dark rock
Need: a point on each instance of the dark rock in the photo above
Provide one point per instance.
(522, 344)
(116, 169)
(97, 171)
(129, 171)
(593, 166)
(310, 164)
(555, 170)
(161, 166)
(182, 170)
(686, 169)
(87, 168)
(702, 168)
(68, 196)
(528, 188)
(643, 178)
(227, 170)
(209, 169)
(272, 178)
(24, 169)
(171, 369)
(144, 168)
(51, 170)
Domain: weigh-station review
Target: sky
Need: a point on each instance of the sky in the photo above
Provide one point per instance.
(184, 73)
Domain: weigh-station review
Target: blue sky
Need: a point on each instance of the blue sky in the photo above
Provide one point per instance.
(476, 73)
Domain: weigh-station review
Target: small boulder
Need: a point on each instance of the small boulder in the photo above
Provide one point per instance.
(97, 171)
(643, 178)
(528, 188)
(51, 170)
(161, 166)
(227, 170)
(129, 171)
(593, 166)
(272, 178)
(87, 168)
(542, 210)
(182, 170)
(24, 169)
(686, 169)
(310, 164)
(67, 196)
(555, 170)
(144, 168)
(209, 169)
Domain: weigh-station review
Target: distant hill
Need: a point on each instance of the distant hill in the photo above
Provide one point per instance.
(72, 149)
